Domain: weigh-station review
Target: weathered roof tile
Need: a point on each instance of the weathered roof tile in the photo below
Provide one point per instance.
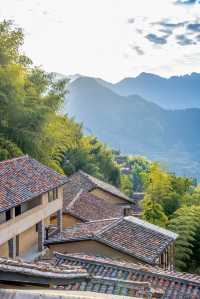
(162, 283)
(24, 178)
(88, 207)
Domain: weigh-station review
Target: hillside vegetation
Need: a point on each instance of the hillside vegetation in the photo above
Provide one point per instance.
(30, 122)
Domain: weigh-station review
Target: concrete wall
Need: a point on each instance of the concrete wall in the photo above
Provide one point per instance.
(68, 220)
(4, 250)
(91, 248)
(108, 197)
(27, 240)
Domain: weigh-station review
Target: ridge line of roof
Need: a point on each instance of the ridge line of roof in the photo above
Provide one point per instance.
(151, 226)
(74, 199)
(14, 159)
(130, 266)
(91, 180)
(118, 220)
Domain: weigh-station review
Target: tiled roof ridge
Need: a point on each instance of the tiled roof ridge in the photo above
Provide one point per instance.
(88, 176)
(15, 159)
(27, 157)
(122, 281)
(96, 185)
(151, 226)
(74, 200)
(100, 220)
(98, 237)
(87, 236)
(144, 269)
(39, 269)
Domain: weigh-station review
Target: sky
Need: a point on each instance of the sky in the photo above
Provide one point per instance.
(110, 39)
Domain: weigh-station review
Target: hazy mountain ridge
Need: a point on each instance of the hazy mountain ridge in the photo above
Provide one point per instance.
(177, 92)
(137, 126)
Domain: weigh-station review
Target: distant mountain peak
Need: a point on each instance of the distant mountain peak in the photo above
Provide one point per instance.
(177, 92)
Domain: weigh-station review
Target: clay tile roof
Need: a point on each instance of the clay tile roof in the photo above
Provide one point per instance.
(82, 231)
(134, 237)
(88, 207)
(137, 238)
(163, 283)
(81, 180)
(52, 271)
(24, 178)
(40, 269)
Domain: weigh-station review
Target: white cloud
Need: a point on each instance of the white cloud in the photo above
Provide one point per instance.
(93, 37)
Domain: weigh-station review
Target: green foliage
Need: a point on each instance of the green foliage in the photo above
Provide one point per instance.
(93, 157)
(159, 189)
(126, 185)
(11, 39)
(153, 212)
(30, 119)
(186, 222)
(8, 149)
(139, 166)
(174, 201)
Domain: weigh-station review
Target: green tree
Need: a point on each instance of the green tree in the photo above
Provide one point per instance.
(8, 149)
(153, 212)
(139, 166)
(186, 222)
(160, 187)
(126, 185)
(92, 156)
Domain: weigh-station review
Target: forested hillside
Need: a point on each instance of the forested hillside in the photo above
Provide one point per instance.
(30, 123)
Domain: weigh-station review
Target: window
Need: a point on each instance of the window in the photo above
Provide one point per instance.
(50, 196)
(17, 211)
(53, 195)
(8, 215)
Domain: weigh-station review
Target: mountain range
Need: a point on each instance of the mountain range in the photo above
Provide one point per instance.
(121, 116)
(177, 92)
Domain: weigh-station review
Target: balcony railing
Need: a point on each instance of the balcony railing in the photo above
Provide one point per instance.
(21, 223)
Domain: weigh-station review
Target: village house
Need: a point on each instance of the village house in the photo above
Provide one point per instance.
(29, 194)
(75, 191)
(81, 180)
(126, 238)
